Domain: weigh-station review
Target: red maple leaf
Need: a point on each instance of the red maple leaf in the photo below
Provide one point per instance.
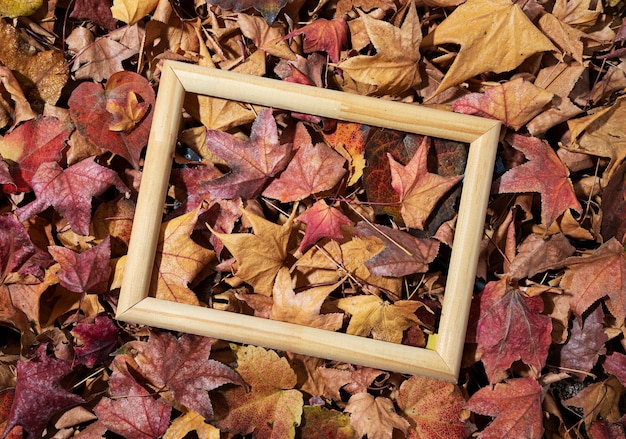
(98, 11)
(70, 191)
(322, 221)
(404, 254)
(95, 341)
(516, 405)
(615, 364)
(544, 173)
(183, 365)
(31, 144)
(88, 109)
(252, 163)
(86, 272)
(419, 189)
(313, 169)
(39, 394)
(325, 36)
(18, 254)
(510, 328)
(133, 413)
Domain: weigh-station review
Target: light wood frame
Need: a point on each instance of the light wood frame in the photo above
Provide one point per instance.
(135, 306)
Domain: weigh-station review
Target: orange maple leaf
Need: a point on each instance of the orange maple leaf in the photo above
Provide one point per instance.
(419, 190)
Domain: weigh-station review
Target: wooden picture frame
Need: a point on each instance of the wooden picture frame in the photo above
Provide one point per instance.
(442, 362)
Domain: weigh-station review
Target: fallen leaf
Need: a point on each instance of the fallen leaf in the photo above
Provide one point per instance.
(601, 274)
(97, 11)
(325, 36)
(133, 412)
(516, 406)
(39, 394)
(182, 366)
(511, 328)
(613, 206)
(88, 109)
(404, 253)
(615, 364)
(22, 110)
(322, 423)
(6, 401)
(512, 38)
(434, 408)
(252, 163)
(24, 8)
(302, 308)
(70, 191)
(585, 344)
(19, 257)
(313, 169)
(188, 422)
(272, 408)
(96, 341)
(261, 255)
(322, 221)
(131, 11)
(86, 272)
(513, 103)
(599, 399)
(394, 69)
(351, 138)
(544, 173)
(375, 417)
(350, 379)
(125, 117)
(29, 145)
(419, 190)
(537, 254)
(268, 38)
(383, 320)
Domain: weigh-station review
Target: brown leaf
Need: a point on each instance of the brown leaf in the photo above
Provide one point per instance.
(269, 39)
(394, 69)
(22, 110)
(536, 254)
(131, 11)
(375, 417)
(599, 399)
(512, 38)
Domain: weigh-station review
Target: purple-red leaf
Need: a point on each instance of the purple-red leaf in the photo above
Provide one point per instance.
(322, 221)
(325, 36)
(39, 394)
(70, 191)
(18, 254)
(95, 341)
(86, 272)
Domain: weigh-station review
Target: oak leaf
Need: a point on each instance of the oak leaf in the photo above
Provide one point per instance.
(419, 190)
(313, 169)
(252, 163)
(325, 36)
(94, 342)
(88, 109)
(383, 320)
(599, 399)
(322, 221)
(272, 408)
(434, 408)
(513, 103)
(375, 417)
(302, 308)
(182, 365)
(86, 272)
(394, 69)
(31, 144)
(132, 412)
(259, 256)
(516, 406)
(70, 191)
(131, 11)
(600, 274)
(39, 393)
(544, 173)
(404, 254)
(510, 328)
(268, 8)
(512, 38)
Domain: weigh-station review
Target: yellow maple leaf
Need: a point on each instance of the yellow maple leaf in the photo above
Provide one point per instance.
(125, 117)
(188, 422)
(131, 11)
(394, 69)
(22, 8)
(384, 320)
(495, 36)
(258, 256)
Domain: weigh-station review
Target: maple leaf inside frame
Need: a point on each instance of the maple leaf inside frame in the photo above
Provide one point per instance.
(419, 189)
(252, 163)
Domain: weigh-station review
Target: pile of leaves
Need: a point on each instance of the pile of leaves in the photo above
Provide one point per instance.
(323, 223)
